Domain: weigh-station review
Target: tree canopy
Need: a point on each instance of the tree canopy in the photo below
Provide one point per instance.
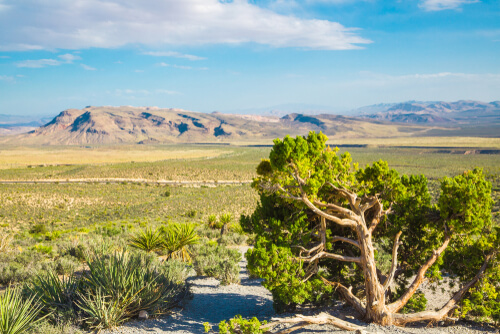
(327, 228)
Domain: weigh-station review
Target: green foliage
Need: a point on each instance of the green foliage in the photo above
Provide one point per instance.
(207, 327)
(217, 261)
(148, 241)
(56, 295)
(465, 202)
(212, 221)
(238, 325)
(177, 239)
(131, 281)
(285, 226)
(39, 228)
(102, 311)
(17, 314)
(226, 218)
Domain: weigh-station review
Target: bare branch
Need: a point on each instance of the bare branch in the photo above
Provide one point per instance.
(394, 265)
(342, 222)
(309, 251)
(401, 302)
(335, 207)
(350, 241)
(302, 320)
(326, 255)
(351, 197)
(348, 296)
(401, 319)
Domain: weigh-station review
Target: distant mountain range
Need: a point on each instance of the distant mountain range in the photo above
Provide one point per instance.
(149, 125)
(444, 113)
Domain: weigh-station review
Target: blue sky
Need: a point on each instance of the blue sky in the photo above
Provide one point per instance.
(207, 55)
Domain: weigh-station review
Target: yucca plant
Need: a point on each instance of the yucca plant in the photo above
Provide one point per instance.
(102, 311)
(212, 221)
(56, 295)
(225, 220)
(127, 281)
(17, 314)
(149, 240)
(177, 239)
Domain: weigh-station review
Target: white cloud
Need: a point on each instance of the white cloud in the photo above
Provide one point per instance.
(182, 67)
(39, 63)
(7, 78)
(69, 58)
(113, 23)
(87, 67)
(172, 54)
(435, 5)
(144, 92)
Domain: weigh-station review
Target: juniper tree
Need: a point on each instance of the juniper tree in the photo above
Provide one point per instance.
(320, 216)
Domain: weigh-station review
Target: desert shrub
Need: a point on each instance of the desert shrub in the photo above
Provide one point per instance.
(66, 265)
(120, 285)
(5, 240)
(149, 240)
(238, 325)
(191, 213)
(39, 228)
(56, 295)
(231, 238)
(177, 238)
(217, 261)
(47, 327)
(102, 311)
(17, 314)
(206, 232)
(77, 251)
(44, 249)
(21, 266)
(54, 235)
(175, 271)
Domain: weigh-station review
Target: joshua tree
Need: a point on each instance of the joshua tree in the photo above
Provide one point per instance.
(319, 218)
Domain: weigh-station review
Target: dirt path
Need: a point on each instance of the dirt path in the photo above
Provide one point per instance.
(122, 180)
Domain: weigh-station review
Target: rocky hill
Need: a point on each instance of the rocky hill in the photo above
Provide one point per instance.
(143, 125)
(443, 113)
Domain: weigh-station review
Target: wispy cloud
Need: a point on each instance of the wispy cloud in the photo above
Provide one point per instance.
(436, 5)
(159, 23)
(182, 67)
(6, 78)
(173, 54)
(39, 63)
(144, 92)
(87, 67)
(381, 78)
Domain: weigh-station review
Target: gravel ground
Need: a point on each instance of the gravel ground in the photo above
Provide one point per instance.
(211, 302)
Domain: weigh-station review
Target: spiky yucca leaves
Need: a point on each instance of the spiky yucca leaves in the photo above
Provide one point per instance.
(177, 239)
(56, 295)
(149, 240)
(126, 281)
(17, 314)
(212, 221)
(102, 311)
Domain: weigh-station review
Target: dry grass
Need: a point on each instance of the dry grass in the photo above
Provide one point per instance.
(24, 156)
(476, 142)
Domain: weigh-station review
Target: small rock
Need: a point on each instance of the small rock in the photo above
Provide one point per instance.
(143, 315)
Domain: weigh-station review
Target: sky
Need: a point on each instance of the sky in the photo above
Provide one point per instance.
(239, 55)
